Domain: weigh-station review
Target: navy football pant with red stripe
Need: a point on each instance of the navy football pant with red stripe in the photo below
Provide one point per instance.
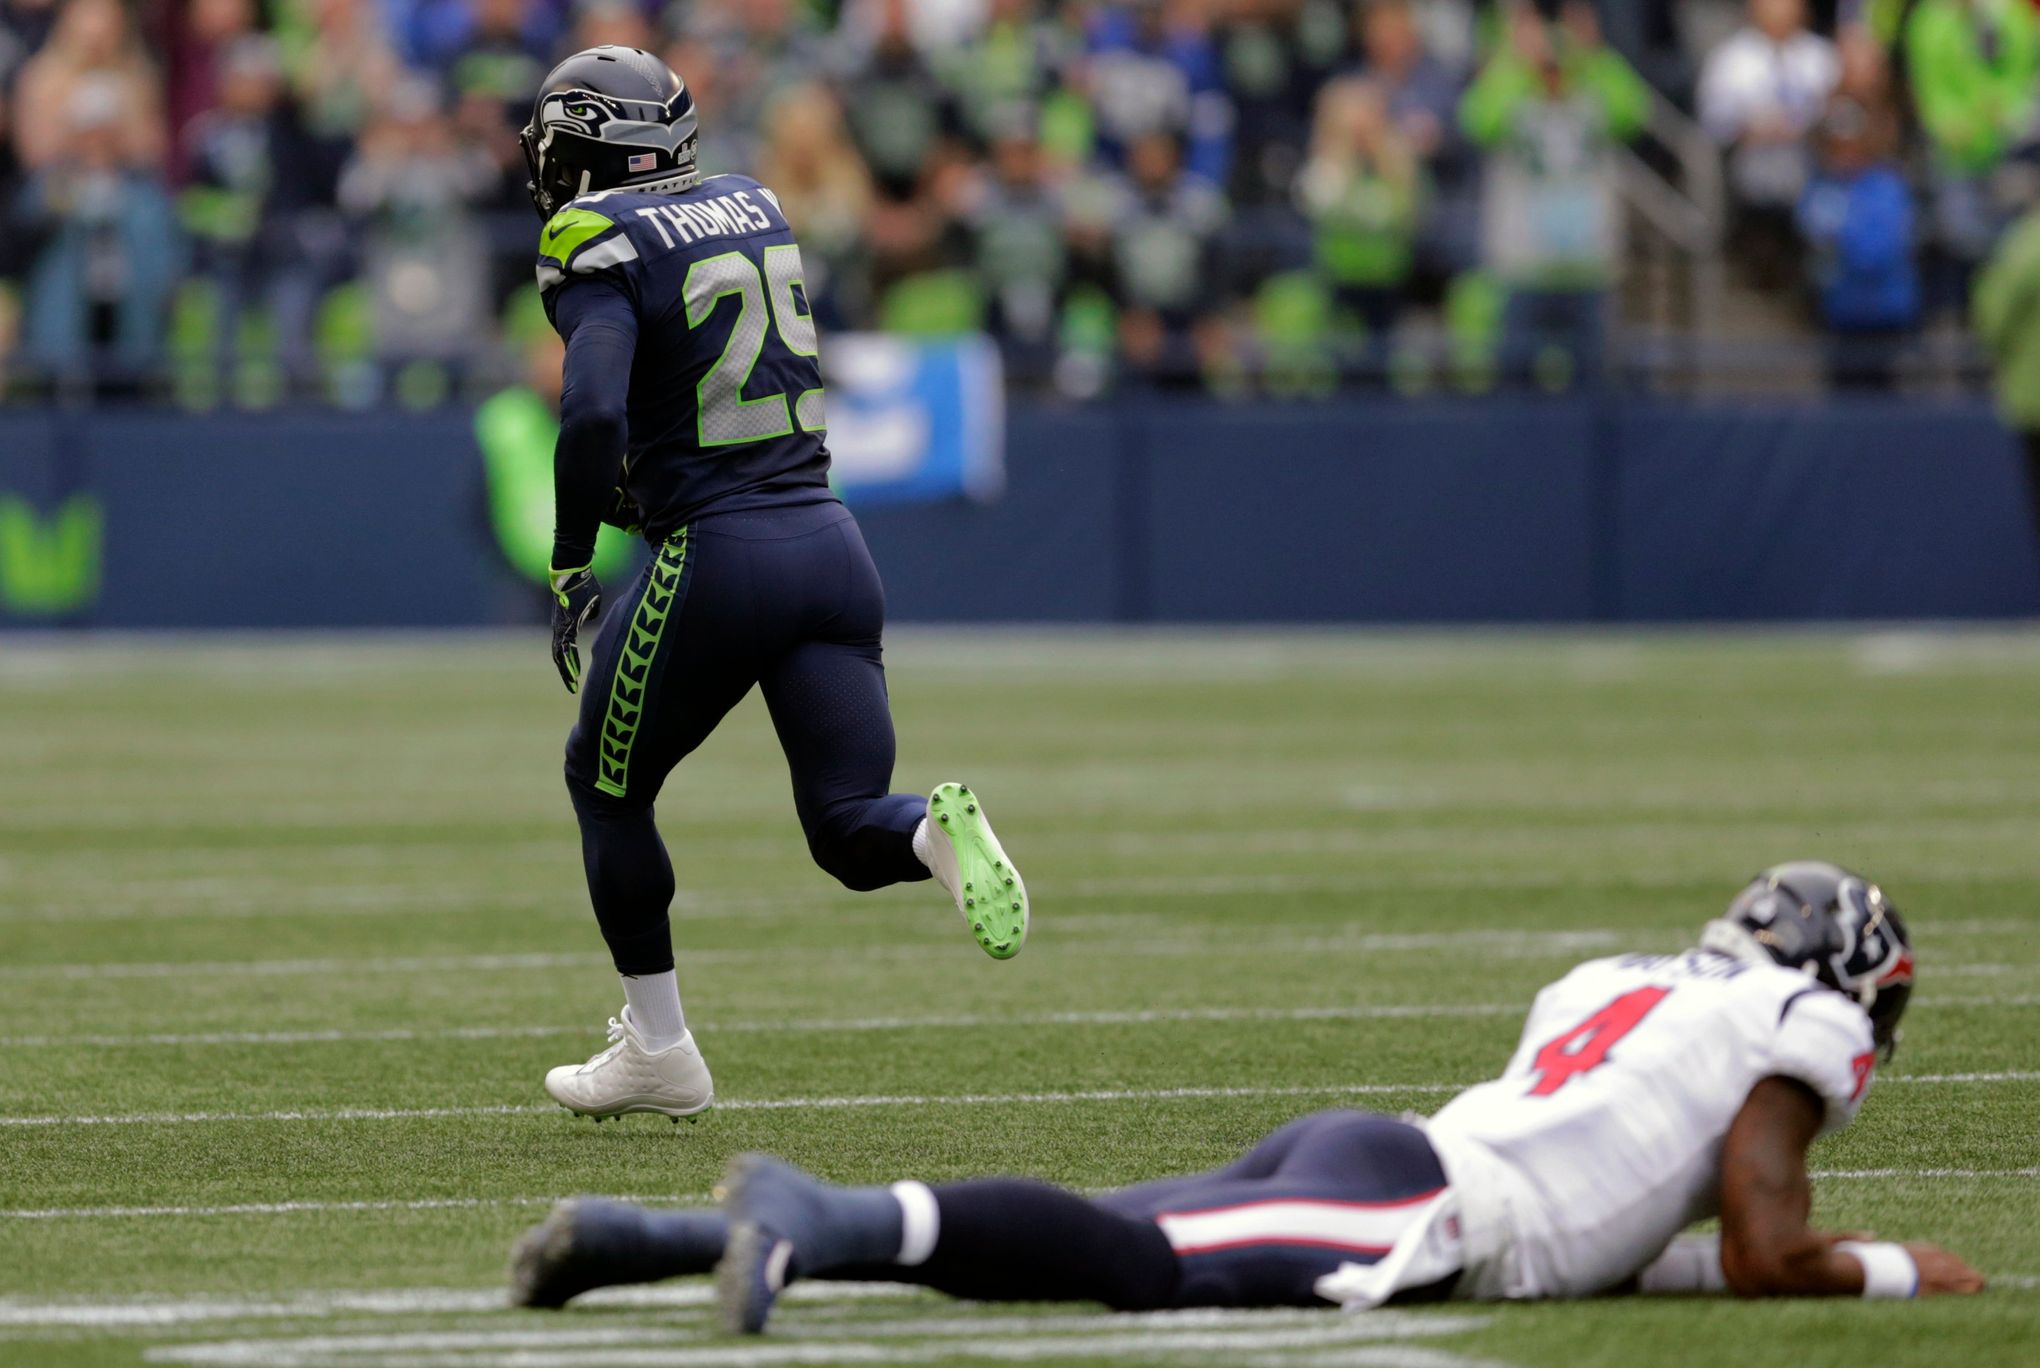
(1329, 1189)
(785, 599)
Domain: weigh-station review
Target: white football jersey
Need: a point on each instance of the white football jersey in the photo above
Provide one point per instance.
(1602, 1140)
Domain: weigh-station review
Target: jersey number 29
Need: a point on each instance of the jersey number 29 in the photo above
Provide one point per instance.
(724, 416)
(1586, 1045)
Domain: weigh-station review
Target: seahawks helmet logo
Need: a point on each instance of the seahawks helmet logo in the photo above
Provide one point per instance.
(643, 123)
(577, 111)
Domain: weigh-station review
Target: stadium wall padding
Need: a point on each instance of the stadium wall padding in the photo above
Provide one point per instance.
(1147, 511)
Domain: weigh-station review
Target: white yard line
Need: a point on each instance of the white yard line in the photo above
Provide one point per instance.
(299, 1208)
(223, 898)
(399, 964)
(43, 1042)
(799, 1338)
(1484, 943)
(1875, 1173)
(879, 1100)
(840, 1026)
(751, 1104)
(1327, 1348)
(1495, 944)
(164, 1309)
(797, 1026)
(1319, 1337)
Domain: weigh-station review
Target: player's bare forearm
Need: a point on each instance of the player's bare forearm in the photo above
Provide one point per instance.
(1767, 1247)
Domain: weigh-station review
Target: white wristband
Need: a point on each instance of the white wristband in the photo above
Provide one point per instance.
(1888, 1271)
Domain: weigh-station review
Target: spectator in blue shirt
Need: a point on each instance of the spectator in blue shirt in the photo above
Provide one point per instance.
(437, 33)
(1153, 69)
(1423, 102)
(1859, 218)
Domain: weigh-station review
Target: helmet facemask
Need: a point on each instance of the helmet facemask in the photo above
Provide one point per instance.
(1874, 965)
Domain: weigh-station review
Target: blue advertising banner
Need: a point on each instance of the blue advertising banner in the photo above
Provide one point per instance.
(915, 422)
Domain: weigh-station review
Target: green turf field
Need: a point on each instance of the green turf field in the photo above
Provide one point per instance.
(290, 931)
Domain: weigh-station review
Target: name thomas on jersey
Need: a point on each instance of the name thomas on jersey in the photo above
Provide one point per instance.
(726, 407)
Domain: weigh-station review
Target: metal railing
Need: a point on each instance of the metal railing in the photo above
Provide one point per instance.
(1675, 263)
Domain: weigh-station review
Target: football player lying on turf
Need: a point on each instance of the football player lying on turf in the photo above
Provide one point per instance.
(1648, 1092)
(693, 411)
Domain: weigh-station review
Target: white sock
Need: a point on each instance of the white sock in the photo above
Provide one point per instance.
(920, 1222)
(655, 1008)
(921, 845)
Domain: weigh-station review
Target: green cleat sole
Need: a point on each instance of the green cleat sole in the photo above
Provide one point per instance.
(991, 894)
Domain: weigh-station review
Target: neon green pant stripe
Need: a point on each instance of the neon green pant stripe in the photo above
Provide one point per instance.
(634, 665)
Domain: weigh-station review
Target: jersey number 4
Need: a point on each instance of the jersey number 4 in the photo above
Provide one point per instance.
(1585, 1046)
(766, 301)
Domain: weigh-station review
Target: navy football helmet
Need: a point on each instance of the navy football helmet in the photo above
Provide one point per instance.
(608, 118)
(1835, 927)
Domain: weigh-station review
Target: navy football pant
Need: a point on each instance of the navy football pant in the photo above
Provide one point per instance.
(786, 599)
(1329, 1189)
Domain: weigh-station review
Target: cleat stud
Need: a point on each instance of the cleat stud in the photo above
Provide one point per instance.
(945, 819)
(1009, 883)
(970, 902)
(970, 807)
(1016, 907)
(962, 789)
(969, 888)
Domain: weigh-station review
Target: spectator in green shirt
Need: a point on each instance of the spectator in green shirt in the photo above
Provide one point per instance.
(2006, 314)
(1552, 106)
(1363, 190)
(1974, 66)
(516, 430)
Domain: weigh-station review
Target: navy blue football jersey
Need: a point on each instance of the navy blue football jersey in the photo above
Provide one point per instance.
(725, 404)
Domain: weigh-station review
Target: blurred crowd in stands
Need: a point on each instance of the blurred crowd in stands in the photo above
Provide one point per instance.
(261, 197)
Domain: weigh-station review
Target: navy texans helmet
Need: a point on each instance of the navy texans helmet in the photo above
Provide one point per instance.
(1835, 927)
(608, 118)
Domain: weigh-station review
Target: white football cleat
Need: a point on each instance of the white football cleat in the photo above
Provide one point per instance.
(627, 1077)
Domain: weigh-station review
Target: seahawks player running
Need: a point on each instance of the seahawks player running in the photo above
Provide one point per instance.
(1648, 1092)
(693, 411)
